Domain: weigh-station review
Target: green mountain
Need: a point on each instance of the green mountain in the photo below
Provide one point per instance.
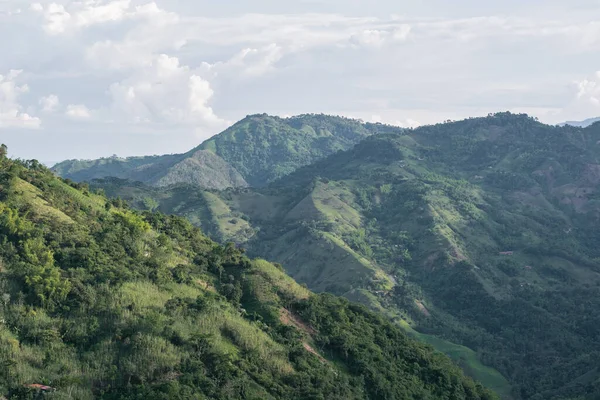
(255, 151)
(100, 301)
(479, 237)
(264, 148)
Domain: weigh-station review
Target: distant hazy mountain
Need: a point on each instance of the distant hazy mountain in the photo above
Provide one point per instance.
(199, 167)
(254, 151)
(581, 124)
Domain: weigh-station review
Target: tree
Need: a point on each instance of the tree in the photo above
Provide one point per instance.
(3, 151)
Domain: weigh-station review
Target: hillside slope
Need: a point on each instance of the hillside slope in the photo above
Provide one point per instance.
(99, 301)
(481, 233)
(255, 151)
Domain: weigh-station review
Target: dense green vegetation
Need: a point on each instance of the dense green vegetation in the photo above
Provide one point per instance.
(255, 151)
(413, 224)
(101, 301)
(264, 148)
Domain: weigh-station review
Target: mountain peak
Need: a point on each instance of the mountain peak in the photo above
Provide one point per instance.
(254, 151)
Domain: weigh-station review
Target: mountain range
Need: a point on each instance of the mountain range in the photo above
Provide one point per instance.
(478, 236)
(254, 151)
(99, 301)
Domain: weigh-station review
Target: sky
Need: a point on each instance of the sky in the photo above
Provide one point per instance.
(92, 78)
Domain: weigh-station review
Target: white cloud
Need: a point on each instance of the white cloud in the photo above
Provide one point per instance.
(581, 101)
(369, 37)
(76, 15)
(247, 63)
(115, 56)
(200, 94)
(589, 90)
(432, 63)
(164, 92)
(57, 18)
(156, 31)
(584, 102)
(37, 7)
(101, 13)
(401, 33)
(78, 111)
(255, 62)
(380, 37)
(49, 103)
(407, 123)
(11, 112)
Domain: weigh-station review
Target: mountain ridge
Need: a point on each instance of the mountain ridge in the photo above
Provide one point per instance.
(252, 152)
(467, 231)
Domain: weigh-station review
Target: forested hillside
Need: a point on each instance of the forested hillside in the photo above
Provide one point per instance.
(481, 235)
(257, 150)
(101, 301)
(264, 148)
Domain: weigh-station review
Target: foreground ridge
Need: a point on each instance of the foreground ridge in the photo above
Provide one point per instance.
(101, 301)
